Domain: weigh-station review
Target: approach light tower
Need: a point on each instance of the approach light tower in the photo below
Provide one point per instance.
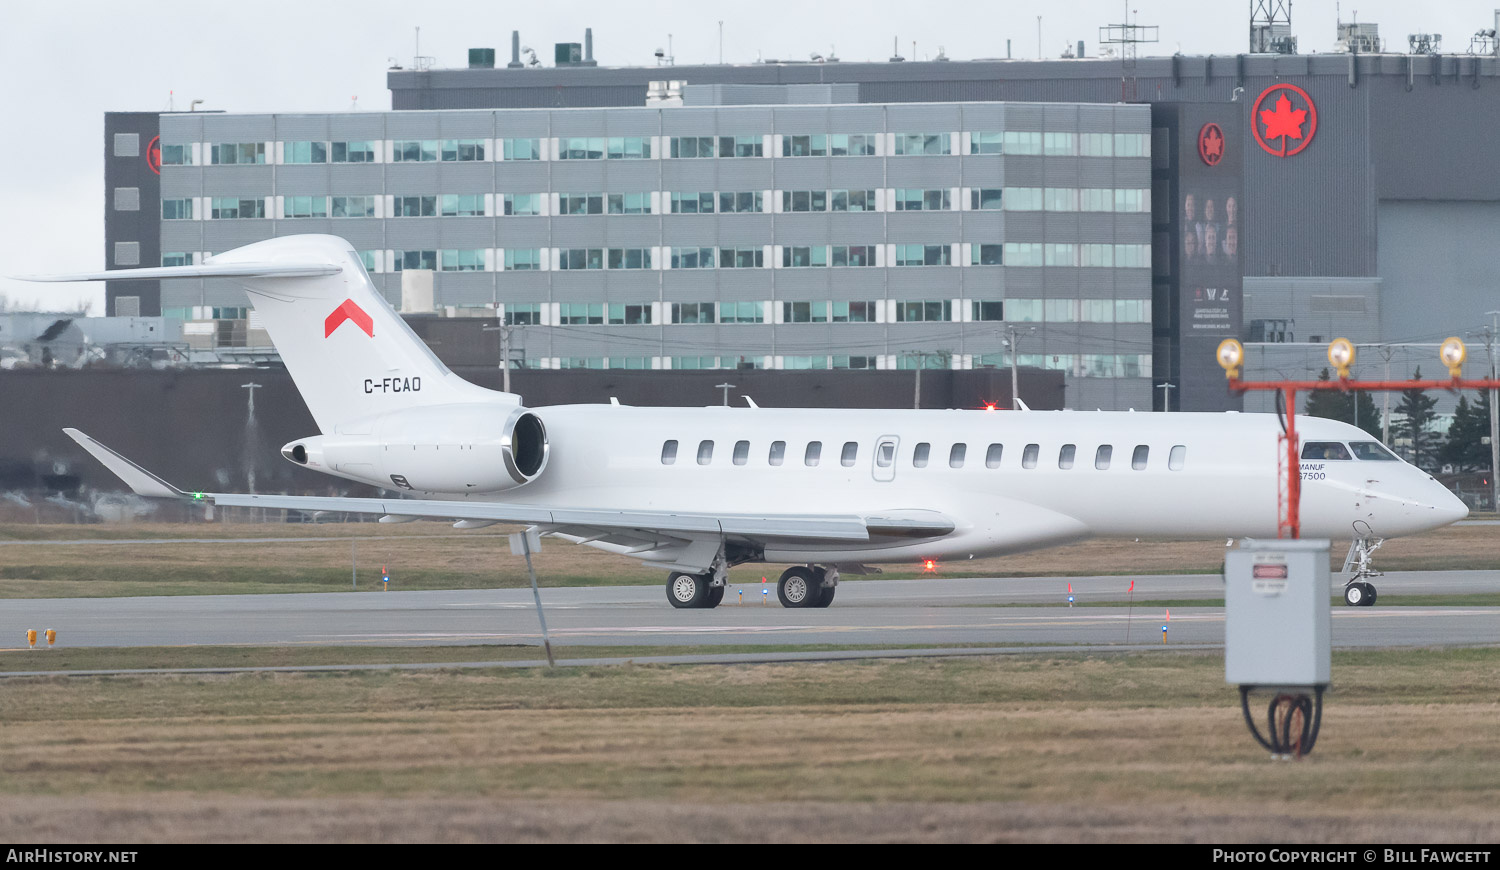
(1271, 27)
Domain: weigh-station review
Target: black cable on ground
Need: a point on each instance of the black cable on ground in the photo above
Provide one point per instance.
(1293, 721)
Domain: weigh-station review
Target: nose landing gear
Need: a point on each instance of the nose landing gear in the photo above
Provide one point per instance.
(1357, 591)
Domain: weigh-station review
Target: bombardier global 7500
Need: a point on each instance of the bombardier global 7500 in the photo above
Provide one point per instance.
(695, 491)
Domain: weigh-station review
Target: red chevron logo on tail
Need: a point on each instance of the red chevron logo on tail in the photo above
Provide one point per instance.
(347, 310)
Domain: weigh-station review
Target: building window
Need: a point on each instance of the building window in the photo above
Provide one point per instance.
(1096, 144)
(1023, 254)
(176, 258)
(792, 257)
(523, 259)
(693, 203)
(470, 260)
(1060, 254)
(127, 145)
(522, 203)
(804, 363)
(692, 258)
(629, 203)
(853, 200)
(988, 311)
(177, 209)
(741, 312)
(580, 203)
(693, 312)
(414, 151)
(463, 205)
(1024, 199)
(463, 150)
(916, 312)
(225, 154)
(986, 255)
(305, 152)
(740, 146)
(804, 312)
(691, 146)
(851, 144)
(354, 152)
(581, 148)
(580, 258)
(629, 258)
(632, 314)
(855, 312)
(1132, 144)
(306, 206)
(750, 201)
(177, 155)
(986, 143)
(741, 258)
(985, 198)
(804, 146)
(367, 259)
(581, 313)
(522, 149)
(804, 200)
(923, 200)
(923, 255)
(416, 260)
(1022, 142)
(1059, 145)
(232, 207)
(353, 206)
(854, 362)
(415, 206)
(523, 313)
(922, 143)
(1060, 198)
(628, 148)
(852, 255)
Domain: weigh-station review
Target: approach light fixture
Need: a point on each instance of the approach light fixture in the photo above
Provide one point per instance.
(1231, 354)
(1341, 355)
(1453, 353)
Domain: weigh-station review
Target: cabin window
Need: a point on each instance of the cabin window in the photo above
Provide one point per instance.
(1325, 450)
(992, 456)
(813, 454)
(1138, 458)
(851, 452)
(885, 455)
(1066, 454)
(956, 455)
(1102, 456)
(741, 452)
(705, 452)
(1177, 457)
(778, 453)
(1029, 455)
(669, 453)
(1371, 450)
(919, 455)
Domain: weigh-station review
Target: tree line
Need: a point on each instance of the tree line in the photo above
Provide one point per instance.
(1464, 446)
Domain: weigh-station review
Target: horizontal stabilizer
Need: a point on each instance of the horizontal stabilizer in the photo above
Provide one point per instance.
(206, 270)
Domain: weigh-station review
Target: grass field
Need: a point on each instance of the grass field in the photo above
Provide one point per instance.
(1051, 748)
(432, 556)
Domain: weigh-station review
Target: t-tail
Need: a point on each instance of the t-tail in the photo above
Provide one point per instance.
(350, 354)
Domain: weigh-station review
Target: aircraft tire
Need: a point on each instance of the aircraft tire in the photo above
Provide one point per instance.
(797, 588)
(1355, 594)
(827, 597)
(714, 596)
(1371, 595)
(686, 590)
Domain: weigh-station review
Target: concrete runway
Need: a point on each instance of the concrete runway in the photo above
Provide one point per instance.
(930, 612)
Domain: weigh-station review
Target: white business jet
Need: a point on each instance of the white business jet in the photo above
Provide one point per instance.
(695, 491)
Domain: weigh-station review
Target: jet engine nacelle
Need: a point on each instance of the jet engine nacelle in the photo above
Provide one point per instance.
(444, 448)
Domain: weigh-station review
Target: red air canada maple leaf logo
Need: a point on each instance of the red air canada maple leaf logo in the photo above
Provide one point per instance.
(1211, 144)
(347, 310)
(1279, 127)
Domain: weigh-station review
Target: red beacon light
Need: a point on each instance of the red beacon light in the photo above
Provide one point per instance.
(929, 566)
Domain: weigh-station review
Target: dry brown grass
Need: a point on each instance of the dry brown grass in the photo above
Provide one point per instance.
(431, 556)
(1137, 748)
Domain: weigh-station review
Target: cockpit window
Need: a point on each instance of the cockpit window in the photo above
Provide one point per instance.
(1325, 450)
(1371, 450)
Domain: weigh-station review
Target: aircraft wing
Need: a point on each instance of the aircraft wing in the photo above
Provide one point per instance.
(664, 536)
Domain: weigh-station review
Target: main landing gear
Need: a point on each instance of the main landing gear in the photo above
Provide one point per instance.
(686, 590)
(807, 586)
(1358, 592)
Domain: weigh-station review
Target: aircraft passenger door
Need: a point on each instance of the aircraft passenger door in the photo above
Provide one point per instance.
(885, 457)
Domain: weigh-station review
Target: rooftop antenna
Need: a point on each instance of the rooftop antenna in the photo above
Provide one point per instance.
(721, 42)
(1127, 36)
(1271, 27)
(896, 50)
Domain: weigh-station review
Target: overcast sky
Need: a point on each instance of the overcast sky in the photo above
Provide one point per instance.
(70, 62)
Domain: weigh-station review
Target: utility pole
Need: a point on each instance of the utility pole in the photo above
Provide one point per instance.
(726, 388)
(1489, 348)
(1166, 394)
(1385, 414)
(505, 329)
(249, 432)
(1011, 332)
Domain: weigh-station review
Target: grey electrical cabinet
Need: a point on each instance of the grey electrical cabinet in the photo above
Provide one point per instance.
(1277, 617)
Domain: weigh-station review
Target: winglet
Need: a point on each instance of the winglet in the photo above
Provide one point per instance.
(141, 481)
